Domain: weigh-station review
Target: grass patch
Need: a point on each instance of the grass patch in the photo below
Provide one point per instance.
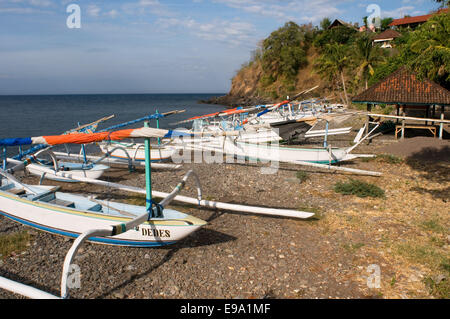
(302, 176)
(433, 225)
(388, 158)
(427, 255)
(439, 289)
(353, 246)
(358, 188)
(431, 257)
(393, 281)
(423, 254)
(437, 241)
(15, 242)
(384, 158)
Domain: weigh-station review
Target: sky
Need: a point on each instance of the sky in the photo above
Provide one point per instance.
(152, 46)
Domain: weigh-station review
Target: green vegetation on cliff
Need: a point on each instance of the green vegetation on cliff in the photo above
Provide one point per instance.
(341, 60)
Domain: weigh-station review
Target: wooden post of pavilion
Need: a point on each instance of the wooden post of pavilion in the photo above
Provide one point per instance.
(369, 108)
(403, 122)
(398, 111)
(441, 126)
(432, 113)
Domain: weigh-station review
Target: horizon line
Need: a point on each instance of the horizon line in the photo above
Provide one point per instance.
(61, 94)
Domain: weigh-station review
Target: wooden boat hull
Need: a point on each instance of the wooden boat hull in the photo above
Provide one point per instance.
(71, 222)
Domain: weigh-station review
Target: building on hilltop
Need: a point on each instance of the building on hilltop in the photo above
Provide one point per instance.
(384, 39)
(414, 22)
(341, 23)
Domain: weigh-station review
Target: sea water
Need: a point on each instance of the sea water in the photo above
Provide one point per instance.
(37, 115)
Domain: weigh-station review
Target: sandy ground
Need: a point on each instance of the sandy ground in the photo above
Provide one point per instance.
(404, 236)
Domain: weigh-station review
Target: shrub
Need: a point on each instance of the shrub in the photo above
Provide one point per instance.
(358, 188)
(302, 176)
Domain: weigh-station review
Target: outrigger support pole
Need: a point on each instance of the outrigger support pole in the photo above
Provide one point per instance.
(118, 229)
(148, 175)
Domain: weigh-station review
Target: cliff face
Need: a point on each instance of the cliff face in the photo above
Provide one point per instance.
(248, 89)
(246, 81)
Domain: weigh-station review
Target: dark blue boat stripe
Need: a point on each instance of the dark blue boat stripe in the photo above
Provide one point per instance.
(110, 241)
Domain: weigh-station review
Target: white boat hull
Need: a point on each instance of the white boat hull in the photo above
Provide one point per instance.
(95, 173)
(267, 152)
(71, 222)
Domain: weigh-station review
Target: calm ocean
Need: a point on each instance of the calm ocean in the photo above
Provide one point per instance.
(26, 115)
(23, 116)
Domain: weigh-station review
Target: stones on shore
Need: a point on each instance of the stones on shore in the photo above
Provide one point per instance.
(234, 255)
(235, 101)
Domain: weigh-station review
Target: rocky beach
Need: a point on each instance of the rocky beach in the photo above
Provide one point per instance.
(236, 255)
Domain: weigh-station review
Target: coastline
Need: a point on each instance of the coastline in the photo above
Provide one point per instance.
(232, 101)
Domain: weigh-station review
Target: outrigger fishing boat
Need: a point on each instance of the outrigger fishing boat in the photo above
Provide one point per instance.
(136, 151)
(266, 123)
(89, 170)
(87, 218)
(37, 160)
(45, 208)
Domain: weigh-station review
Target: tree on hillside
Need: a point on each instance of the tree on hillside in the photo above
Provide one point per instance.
(431, 45)
(365, 22)
(366, 56)
(385, 23)
(284, 51)
(425, 51)
(325, 23)
(340, 35)
(332, 64)
(443, 2)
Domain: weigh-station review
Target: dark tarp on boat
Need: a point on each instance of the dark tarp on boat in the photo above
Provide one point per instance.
(288, 130)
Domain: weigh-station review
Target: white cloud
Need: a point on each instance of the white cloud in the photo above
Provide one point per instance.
(17, 10)
(93, 10)
(283, 10)
(398, 13)
(231, 32)
(26, 6)
(147, 6)
(113, 13)
(146, 3)
(41, 3)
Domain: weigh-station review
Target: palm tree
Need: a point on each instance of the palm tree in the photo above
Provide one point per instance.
(332, 64)
(430, 45)
(366, 56)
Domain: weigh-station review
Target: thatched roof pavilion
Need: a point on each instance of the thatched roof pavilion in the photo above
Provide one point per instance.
(404, 89)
